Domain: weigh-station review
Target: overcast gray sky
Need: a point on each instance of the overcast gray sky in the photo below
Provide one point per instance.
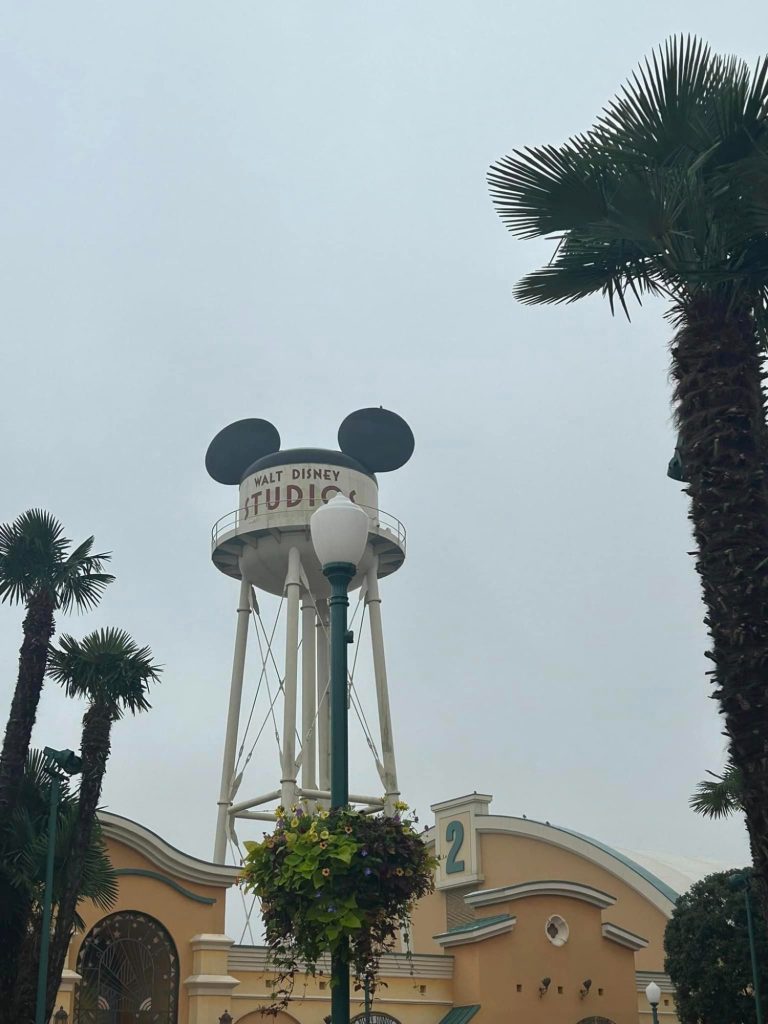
(212, 211)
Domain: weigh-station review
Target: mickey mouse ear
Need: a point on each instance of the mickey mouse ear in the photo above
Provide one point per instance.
(380, 439)
(237, 446)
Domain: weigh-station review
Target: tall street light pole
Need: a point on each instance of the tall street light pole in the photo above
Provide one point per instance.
(339, 535)
(741, 880)
(60, 763)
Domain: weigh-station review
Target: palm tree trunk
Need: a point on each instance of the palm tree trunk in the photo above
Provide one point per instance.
(95, 747)
(33, 658)
(717, 367)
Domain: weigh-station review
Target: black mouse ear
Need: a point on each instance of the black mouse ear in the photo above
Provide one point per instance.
(237, 446)
(380, 439)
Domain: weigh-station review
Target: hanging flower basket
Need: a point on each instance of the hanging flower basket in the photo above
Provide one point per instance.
(331, 879)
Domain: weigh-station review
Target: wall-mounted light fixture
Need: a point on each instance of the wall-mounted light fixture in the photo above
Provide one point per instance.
(586, 985)
(544, 986)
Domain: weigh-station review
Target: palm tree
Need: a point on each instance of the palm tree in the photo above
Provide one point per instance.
(112, 673)
(667, 194)
(38, 570)
(22, 878)
(722, 797)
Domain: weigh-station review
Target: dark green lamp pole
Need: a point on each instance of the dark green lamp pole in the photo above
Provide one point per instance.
(339, 535)
(60, 763)
(741, 880)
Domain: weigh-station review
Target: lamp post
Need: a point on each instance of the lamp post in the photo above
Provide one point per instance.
(60, 763)
(737, 881)
(653, 995)
(339, 534)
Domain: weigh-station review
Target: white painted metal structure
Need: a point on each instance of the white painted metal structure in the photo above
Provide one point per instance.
(266, 545)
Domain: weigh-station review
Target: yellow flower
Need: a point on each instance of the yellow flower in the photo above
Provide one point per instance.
(325, 834)
(294, 822)
(348, 830)
(280, 811)
(323, 814)
(313, 826)
(323, 845)
(401, 805)
(399, 871)
(326, 872)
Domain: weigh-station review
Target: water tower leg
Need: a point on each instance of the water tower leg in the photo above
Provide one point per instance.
(292, 592)
(373, 600)
(233, 721)
(323, 701)
(308, 699)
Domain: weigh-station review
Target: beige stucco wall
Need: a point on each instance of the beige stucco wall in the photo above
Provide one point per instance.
(179, 915)
(508, 860)
(487, 972)
(402, 998)
(504, 973)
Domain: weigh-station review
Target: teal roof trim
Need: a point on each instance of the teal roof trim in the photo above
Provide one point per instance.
(481, 922)
(170, 882)
(460, 1015)
(666, 890)
(654, 880)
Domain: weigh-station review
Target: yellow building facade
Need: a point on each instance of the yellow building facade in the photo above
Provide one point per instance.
(529, 923)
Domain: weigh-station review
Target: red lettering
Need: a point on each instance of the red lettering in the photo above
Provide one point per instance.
(328, 490)
(256, 495)
(272, 505)
(311, 495)
(291, 490)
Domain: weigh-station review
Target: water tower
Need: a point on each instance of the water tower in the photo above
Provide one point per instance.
(265, 544)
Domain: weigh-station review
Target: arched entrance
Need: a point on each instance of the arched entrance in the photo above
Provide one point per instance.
(130, 972)
(254, 1017)
(374, 1018)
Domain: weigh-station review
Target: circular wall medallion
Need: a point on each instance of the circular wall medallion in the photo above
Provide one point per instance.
(557, 930)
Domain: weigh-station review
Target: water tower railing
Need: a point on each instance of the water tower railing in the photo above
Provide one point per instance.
(232, 522)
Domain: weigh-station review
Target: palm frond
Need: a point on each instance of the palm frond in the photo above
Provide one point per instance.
(583, 267)
(548, 189)
(34, 558)
(30, 547)
(665, 193)
(83, 590)
(662, 112)
(107, 667)
(722, 797)
(25, 846)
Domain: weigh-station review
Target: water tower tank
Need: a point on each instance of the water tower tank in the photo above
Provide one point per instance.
(265, 543)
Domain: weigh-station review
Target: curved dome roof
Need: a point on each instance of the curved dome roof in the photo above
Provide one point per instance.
(679, 873)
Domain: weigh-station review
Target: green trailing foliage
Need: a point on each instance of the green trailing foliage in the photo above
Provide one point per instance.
(708, 957)
(332, 880)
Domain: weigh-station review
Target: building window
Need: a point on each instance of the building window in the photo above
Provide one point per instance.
(130, 972)
(557, 930)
